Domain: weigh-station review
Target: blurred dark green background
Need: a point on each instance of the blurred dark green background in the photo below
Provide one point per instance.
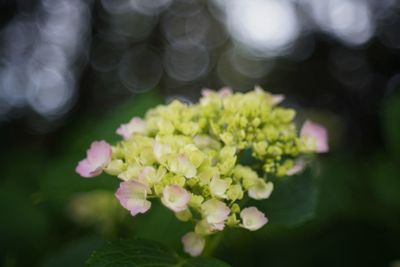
(72, 71)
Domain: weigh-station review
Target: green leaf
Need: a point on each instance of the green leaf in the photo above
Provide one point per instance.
(141, 253)
(391, 124)
(167, 233)
(74, 253)
(293, 200)
(203, 262)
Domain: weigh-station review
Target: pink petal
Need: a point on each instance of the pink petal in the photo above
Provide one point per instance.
(206, 92)
(132, 196)
(97, 158)
(253, 219)
(276, 99)
(318, 132)
(175, 198)
(136, 206)
(215, 211)
(193, 244)
(99, 154)
(123, 131)
(85, 169)
(225, 91)
(135, 125)
(298, 167)
(218, 226)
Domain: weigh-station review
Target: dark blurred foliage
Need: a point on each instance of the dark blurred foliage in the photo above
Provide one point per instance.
(62, 86)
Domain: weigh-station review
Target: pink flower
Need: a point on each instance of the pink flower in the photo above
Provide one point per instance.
(298, 167)
(132, 196)
(136, 125)
(175, 198)
(97, 158)
(215, 212)
(318, 133)
(276, 99)
(252, 218)
(193, 244)
(223, 92)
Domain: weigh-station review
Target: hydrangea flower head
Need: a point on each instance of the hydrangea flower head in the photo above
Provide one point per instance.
(188, 156)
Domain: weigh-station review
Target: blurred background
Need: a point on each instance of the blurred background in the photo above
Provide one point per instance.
(72, 70)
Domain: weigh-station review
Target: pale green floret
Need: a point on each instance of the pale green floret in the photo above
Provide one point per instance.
(184, 216)
(232, 220)
(218, 187)
(199, 148)
(132, 172)
(196, 201)
(115, 167)
(203, 228)
(196, 157)
(206, 174)
(235, 192)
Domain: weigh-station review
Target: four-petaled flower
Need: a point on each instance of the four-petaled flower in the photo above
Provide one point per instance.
(175, 198)
(133, 196)
(252, 218)
(97, 158)
(318, 135)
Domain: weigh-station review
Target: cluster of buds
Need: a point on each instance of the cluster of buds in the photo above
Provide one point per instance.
(188, 156)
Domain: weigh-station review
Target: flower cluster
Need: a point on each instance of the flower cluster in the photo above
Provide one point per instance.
(188, 156)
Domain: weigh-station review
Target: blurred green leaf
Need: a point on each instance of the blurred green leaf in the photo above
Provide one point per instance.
(343, 190)
(74, 254)
(385, 183)
(169, 232)
(142, 252)
(391, 124)
(22, 223)
(23, 226)
(293, 200)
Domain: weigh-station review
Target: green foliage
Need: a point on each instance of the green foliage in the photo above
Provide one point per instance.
(391, 124)
(159, 224)
(74, 254)
(141, 253)
(293, 201)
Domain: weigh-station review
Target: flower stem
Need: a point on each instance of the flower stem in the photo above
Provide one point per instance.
(212, 244)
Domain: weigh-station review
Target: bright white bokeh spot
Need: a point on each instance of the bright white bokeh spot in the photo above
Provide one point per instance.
(351, 21)
(51, 92)
(267, 26)
(13, 85)
(348, 20)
